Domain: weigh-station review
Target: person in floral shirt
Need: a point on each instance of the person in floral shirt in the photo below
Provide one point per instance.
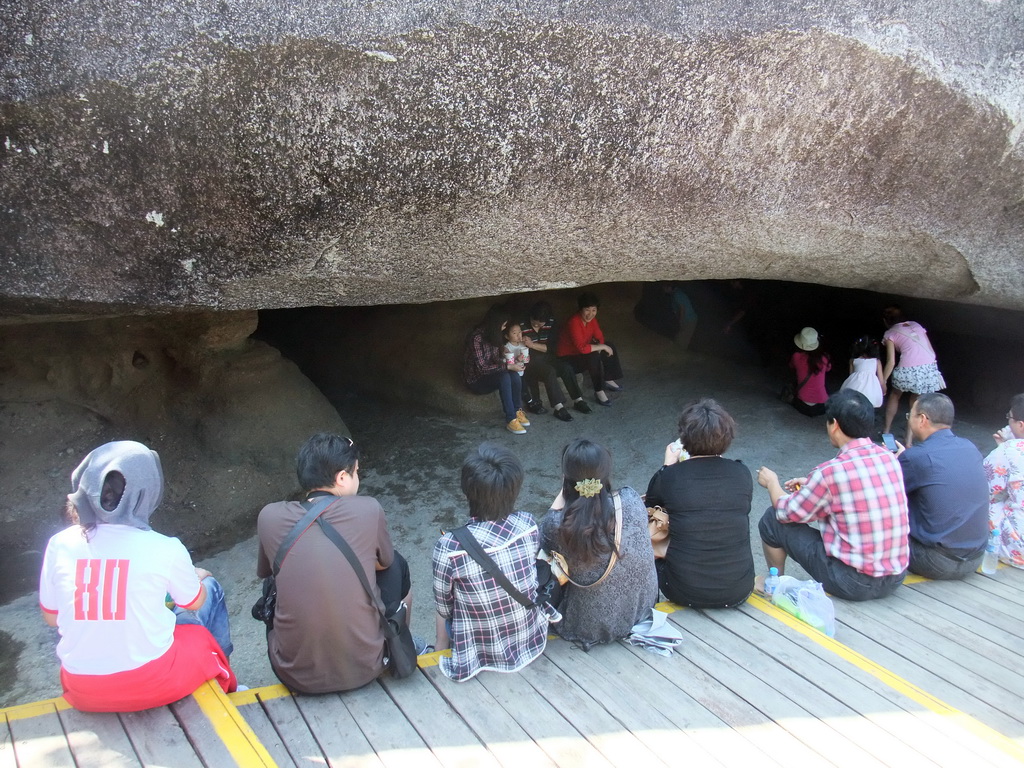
(1004, 468)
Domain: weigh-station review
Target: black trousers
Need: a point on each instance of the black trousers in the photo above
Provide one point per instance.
(394, 583)
(548, 369)
(601, 367)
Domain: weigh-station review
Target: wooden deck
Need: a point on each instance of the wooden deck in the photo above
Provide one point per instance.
(930, 676)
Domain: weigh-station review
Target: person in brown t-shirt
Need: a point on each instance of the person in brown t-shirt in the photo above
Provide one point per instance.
(327, 634)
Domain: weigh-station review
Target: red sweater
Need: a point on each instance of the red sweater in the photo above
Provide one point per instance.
(576, 337)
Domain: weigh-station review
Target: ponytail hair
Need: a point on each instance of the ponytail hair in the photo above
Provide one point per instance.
(588, 523)
(865, 346)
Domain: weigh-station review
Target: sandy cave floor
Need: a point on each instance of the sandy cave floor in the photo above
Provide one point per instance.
(411, 462)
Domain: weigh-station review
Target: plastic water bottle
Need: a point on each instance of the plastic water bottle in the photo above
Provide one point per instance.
(772, 582)
(991, 560)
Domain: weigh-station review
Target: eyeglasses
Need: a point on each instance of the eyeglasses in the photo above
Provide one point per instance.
(1009, 417)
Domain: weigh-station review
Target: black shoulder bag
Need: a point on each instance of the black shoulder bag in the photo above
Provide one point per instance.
(399, 650)
(548, 588)
(263, 608)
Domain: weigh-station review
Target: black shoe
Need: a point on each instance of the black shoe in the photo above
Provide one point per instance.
(534, 406)
(605, 403)
(616, 388)
(582, 407)
(562, 414)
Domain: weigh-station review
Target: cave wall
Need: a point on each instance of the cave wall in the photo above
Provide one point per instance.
(237, 156)
(226, 414)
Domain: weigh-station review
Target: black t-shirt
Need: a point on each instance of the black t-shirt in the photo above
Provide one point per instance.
(709, 562)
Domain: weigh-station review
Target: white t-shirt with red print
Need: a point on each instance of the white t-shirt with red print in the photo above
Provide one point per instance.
(108, 589)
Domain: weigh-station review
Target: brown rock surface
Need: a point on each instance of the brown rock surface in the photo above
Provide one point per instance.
(236, 158)
(225, 413)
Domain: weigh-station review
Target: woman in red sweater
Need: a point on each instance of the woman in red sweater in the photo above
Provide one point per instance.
(582, 345)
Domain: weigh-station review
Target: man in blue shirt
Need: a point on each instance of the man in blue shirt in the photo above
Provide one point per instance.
(947, 493)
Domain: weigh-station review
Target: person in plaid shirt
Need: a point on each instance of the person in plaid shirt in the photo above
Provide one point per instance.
(861, 551)
(482, 623)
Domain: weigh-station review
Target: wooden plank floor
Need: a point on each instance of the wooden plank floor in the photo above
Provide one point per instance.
(204, 730)
(931, 676)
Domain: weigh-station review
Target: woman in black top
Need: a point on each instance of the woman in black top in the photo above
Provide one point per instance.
(709, 562)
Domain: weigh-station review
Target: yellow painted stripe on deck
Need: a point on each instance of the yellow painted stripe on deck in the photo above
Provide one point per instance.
(431, 659)
(254, 695)
(913, 578)
(35, 708)
(668, 607)
(241, 741)
(891, 679)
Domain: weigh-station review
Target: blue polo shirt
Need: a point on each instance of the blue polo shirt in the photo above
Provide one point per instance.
(947, 492)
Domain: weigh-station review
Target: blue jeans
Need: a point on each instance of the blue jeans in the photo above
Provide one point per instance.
(510, 388)
(213, 614)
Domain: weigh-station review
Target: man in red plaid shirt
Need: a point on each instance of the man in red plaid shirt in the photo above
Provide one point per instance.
(861, 551)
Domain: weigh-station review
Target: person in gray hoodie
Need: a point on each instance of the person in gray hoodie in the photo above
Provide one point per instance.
(139, 625)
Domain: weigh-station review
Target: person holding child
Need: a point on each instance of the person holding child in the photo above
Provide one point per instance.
(485, 369)
(602, 538)
(483, 624)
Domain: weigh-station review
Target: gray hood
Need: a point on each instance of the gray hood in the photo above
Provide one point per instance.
(144, 484)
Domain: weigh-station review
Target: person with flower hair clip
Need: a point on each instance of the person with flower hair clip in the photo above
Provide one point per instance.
(600, 538)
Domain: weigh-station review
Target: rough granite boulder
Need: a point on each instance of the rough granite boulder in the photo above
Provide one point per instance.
(234, 156)
(226, 414)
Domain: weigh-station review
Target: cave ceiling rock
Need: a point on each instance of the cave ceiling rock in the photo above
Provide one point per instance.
(249, 164)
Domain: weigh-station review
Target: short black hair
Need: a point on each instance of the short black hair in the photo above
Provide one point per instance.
(491, 479)
(937, 407)
(322, 457)
(1017, 407)
(706, 428)
(853, 412)
(588, 300)
(541, 311)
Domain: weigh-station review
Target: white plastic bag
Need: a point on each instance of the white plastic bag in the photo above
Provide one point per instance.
(808, 602)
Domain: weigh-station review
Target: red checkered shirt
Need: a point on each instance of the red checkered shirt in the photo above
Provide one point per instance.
(858, 496)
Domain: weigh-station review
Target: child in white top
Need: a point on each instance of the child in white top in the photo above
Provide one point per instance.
(515, 350)
(866, 371)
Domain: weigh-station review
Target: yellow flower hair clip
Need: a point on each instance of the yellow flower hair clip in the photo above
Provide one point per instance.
(588, 488)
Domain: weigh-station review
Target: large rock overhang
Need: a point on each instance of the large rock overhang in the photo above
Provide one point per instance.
(229, 156)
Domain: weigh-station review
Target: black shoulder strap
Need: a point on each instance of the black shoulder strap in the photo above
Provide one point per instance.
(474, 550)
(339, 541)
(313, 511)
